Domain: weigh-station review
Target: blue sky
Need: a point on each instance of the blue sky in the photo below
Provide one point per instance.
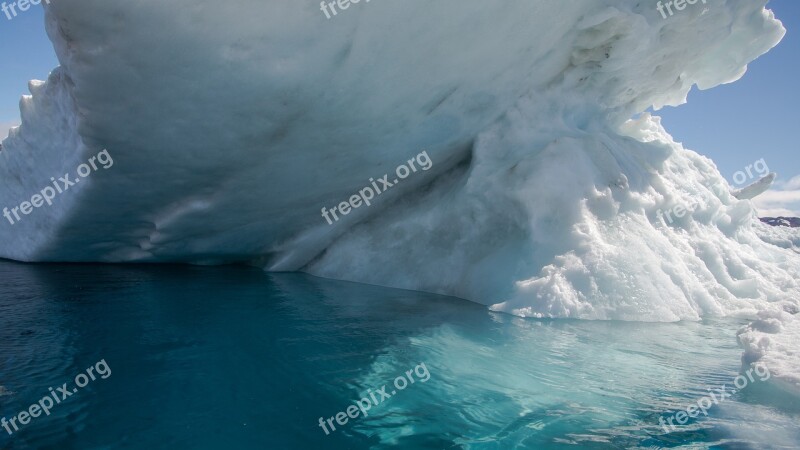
(27, 54)
(735, 125)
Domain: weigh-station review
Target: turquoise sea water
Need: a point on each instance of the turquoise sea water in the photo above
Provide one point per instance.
(232, 357)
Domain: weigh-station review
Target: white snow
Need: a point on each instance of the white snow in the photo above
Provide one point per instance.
(232, 125)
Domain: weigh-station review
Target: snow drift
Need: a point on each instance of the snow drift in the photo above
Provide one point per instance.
(232, 125)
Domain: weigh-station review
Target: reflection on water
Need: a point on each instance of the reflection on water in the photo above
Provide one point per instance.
(236, 358)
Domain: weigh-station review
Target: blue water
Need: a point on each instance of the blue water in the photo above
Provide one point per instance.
(232, 357)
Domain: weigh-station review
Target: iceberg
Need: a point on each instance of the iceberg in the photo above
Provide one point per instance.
(231, 126)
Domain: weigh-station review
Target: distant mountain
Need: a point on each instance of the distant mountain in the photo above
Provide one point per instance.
(793, 222)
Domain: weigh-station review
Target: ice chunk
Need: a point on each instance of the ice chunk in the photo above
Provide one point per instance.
(755, 189)
(772, 341)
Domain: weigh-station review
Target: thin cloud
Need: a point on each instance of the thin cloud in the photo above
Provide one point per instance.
(782, 200)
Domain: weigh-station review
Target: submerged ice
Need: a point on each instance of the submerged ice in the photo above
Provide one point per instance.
(232, 127)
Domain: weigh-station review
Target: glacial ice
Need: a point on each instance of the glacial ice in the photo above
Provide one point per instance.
(232, 126)
(754, 190)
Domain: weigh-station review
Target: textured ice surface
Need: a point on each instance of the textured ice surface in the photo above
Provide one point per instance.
(232, 126)
(772, 340)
